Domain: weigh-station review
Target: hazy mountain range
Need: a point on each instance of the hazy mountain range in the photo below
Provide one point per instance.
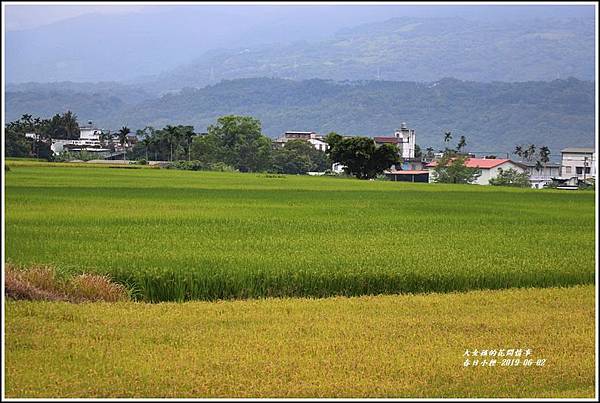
(298, 41)
(493, 116)
(410, 49)
(189, 65)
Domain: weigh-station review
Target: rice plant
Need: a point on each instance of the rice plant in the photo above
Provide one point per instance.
(177, 235)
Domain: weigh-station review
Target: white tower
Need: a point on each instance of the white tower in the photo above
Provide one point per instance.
(89, 132)
(407, 141)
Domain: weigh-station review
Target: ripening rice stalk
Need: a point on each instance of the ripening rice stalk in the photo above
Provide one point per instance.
(172, 236)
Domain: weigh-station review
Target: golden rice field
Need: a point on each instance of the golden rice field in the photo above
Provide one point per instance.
(377, 346)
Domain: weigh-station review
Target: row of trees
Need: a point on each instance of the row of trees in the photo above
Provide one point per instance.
(530, 153)
(234, 142)
(17, 144)
(170, 143)
(59, 127)
(237, 142)
(451, 168)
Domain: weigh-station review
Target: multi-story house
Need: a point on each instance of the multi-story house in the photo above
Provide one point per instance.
(578, 162)
(316, 140)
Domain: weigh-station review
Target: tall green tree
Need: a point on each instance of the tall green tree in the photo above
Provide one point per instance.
(145, 142)
(299, 157)
(462, 143)
(170, 134)
(240, 143)
(451, 169)
(123, 132)
(16, 144)
(206, 149)
(361, 156)
(70, 124)
(188, 134)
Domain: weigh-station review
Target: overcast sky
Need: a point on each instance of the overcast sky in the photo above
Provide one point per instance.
(27, 16)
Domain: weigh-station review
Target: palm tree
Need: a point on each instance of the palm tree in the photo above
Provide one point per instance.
(530, 151)
(447, 137)
(538, 166)
(26, 118)
(146, 142)
(103, 137)
(111, 141)
(189, 136)
(123, 132)
(155, 143)
(171, 135)
(461, 143)
(544, 154)
(519, 151)
(70, 124)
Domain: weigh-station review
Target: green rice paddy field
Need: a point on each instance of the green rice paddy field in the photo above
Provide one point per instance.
(180, 235)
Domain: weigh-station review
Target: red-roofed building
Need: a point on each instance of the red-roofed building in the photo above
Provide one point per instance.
(386, 140)
(489, 167)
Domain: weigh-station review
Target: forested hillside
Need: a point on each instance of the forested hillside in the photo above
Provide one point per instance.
(493, 116)
(411, 49)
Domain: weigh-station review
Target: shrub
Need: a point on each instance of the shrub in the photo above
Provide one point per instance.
(42, 283)
(221, 167)
(36, 284)
(193, 165)
(89, 287)
(196, 165)
(67, 156)
(511, 177)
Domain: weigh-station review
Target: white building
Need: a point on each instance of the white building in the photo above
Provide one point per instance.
(543, 176)
(578, 162)
(489, 168)
(89, 132)
(316, 140)
(89, 140)
(404, 139)
(319, 144)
